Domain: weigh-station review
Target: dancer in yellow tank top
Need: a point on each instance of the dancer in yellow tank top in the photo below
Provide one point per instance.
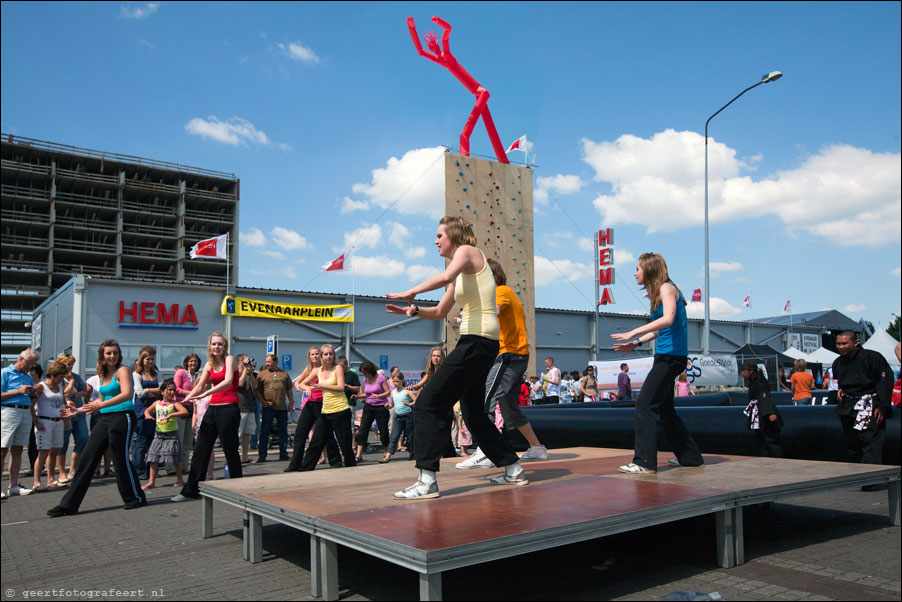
(462, 375)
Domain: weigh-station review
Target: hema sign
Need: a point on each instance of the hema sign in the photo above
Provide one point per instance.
(148, 314)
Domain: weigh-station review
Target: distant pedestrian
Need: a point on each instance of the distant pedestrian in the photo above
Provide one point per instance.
(48, 422)
(802, 383)
(15, 392)
(624, 385)
(764, 418)
(403, 401)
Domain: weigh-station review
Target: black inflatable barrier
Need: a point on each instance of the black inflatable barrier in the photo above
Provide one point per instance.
(708, 399)
(809, 432)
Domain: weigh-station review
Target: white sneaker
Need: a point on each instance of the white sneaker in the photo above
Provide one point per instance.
(19, 490)
(476, 460)
(418, 491)
(3, 495)
(536, 452)
(632, 468)
(514, 479)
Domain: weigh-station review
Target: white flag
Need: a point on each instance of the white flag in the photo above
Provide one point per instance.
(214, 248)
(518, 144)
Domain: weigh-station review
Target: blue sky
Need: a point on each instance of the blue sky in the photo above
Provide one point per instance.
(327, 115)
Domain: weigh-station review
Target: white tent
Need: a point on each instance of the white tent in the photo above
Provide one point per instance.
(823, 356)
(885, 345)
(796, 354)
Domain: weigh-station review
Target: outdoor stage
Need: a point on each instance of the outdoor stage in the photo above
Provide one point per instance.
(574, 496)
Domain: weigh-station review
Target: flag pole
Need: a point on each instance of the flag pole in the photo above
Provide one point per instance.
(228, 332)
(353, 286)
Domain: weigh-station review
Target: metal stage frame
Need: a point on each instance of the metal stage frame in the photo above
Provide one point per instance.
(475, 522)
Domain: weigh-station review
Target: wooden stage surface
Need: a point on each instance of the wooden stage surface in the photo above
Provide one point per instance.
(577, 494)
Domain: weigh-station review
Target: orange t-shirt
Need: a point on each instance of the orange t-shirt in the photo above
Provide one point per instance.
(803, 382)
(511, 322)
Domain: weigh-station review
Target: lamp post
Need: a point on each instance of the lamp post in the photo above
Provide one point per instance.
(766, 79)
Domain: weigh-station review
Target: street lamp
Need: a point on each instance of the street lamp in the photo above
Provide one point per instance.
(766, 79)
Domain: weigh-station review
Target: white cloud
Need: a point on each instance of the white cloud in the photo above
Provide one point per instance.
(253, 238)
(273, 254)
(419, 273)
(349, 205)
(298, 52)
(721, 267)
(415, 252)
(553, 271)
(381, 266)
(855, 308)
(560, 184)
(397, 233)
(236, 131)
(848, 195)
(147, 44)
(623, 259)
(720, 309)
(897, 271)
(288, 272)
(413, 184)
(289, 240)
(367, 236)
(131, 10)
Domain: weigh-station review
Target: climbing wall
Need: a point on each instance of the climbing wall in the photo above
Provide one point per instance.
(497, 199)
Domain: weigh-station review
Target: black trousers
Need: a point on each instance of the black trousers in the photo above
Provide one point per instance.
(380, 415)
(337, 425)
(461, 377)
(768, 438)
(654, 408)
(113, 431)
(219, 421)
(309, 416)
(865, 447)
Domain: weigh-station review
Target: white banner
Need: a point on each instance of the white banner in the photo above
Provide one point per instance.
(702, 370)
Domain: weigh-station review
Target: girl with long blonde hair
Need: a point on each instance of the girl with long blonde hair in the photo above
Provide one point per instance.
(655, 402)
(335, 416)
(310, 413)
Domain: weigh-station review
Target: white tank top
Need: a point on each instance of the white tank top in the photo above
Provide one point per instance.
(475, 293)
(50, 403)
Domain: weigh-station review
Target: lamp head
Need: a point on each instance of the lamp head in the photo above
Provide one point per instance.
(771, 77)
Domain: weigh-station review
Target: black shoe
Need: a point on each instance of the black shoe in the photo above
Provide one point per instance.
(58, 511)
(289, 469)
(135, 504)
(338, 465)
(284, 458)
(260, 460)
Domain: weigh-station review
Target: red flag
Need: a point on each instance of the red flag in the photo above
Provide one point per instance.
(336, 265)
(697, 295)
(788, 305)
(747, 301)
(215, 248)
(518, 144)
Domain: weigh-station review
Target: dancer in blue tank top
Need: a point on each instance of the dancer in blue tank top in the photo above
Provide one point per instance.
(654, 405)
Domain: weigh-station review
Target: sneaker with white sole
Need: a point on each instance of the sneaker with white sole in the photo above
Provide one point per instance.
(19, 490)
(476, 460)
(536, 452)
(633, 468)
(514, 479)
(418, 491)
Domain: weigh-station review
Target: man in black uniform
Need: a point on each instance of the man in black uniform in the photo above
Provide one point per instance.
(863, 405)
(764, 418)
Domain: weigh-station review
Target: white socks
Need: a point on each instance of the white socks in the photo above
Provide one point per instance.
(427, 476)
(513, 469)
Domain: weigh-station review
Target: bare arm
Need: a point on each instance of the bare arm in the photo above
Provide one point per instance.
(124, 376)
(464, 257)
(647, 332)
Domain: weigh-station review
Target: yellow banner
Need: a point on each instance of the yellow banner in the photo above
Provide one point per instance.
(251, 308)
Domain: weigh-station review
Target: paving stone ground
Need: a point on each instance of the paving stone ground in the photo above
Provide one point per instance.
(837, 545)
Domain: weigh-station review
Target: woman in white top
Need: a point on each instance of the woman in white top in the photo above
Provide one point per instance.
(48, 423)
(462, 375)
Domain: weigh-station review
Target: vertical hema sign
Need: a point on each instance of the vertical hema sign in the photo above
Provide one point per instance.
(606, 265)
(149, 314)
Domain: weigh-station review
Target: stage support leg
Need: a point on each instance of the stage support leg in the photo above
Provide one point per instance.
(726, 544)
(246, 536)
(893, 487)
(316, 571)
(738, 536)
(329, 567)
(430, 586)
(253, 537)
(206, 517)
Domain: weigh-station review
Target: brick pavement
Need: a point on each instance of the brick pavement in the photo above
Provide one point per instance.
(831, 546)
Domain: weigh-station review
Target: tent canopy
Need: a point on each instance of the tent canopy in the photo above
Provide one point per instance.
(823, 356)
(885, 345)
(763, 351)
(795, 353)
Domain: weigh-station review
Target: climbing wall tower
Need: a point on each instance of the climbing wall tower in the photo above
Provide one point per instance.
(497, 199)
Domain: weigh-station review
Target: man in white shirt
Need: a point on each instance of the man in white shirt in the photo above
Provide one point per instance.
(551, 382)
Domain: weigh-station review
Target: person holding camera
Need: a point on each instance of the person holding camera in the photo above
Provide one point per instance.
(16, 386)
(247, 403)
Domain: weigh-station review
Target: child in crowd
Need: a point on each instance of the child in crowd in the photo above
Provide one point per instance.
(403, 400)
(165, 446)
(566, 390)
(464, 438)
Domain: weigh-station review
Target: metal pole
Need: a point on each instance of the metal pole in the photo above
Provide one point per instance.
(597, 300)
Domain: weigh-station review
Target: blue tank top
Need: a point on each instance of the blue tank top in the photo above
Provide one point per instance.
(111, 390)
(673, 340)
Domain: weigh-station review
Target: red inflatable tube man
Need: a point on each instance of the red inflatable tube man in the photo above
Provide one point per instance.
(443, 57)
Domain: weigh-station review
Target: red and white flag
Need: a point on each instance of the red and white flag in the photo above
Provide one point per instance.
(214, 248)
(518, 144)
(747, 301)
(336, 265)
(788, 305)
(696, 295)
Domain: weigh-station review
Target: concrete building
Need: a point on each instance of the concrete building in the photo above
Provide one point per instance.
(69, 210)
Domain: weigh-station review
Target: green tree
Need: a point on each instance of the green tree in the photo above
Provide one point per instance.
(893, 328)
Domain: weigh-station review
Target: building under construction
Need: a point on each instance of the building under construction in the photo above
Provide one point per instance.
(69, 210)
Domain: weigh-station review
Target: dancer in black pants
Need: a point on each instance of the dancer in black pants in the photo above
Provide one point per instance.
(310, 413)
(113, 431)
(462, 375)
(654, 405)
(221, 419)
(378, 401)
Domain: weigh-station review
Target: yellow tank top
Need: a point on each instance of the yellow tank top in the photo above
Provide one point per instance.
(475, 293)
(333, 401)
